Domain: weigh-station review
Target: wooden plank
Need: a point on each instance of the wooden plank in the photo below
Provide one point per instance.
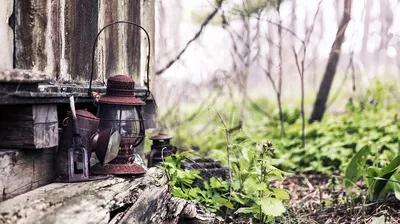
(35, 37)
(6, 34)
(29, 126)
(109, 58)
(54, 23)
(148, 22)
(78, 27)
(45, 126)
(25, 170)
(119, 45)
(134, 40)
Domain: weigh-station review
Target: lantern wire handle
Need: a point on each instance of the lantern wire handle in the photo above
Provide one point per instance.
(148, 54)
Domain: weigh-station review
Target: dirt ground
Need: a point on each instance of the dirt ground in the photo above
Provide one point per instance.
(318, 198)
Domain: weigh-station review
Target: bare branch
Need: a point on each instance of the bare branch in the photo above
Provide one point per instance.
(203, 25)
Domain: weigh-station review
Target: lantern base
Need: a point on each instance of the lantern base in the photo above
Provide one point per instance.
(118, 169)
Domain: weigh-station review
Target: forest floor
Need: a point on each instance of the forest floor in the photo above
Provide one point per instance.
(319, 198)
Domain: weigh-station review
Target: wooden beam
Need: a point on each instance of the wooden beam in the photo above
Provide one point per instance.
(25, 170)
(29, 126)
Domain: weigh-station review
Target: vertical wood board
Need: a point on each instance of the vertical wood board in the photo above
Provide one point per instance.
(119, 45)
(147, 21)
(6, 34)
(35, 38)
(78, 26)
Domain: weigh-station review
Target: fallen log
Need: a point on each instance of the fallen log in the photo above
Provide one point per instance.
(145, 199)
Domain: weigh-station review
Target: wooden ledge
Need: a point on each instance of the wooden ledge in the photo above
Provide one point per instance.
(115, 200)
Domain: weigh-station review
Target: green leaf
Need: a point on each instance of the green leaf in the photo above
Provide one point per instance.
(251, 186)
(370, 174)
(193, 192)
(244, 210)
(281, 194)
(396, 185)
(214, 183)
(356, 166)
(379, 188)
(394, 164)
(272, 206)
(237, 198)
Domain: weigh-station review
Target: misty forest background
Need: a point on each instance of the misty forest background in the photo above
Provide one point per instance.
(306, 88)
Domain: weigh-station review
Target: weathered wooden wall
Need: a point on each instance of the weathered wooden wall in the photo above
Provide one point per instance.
(6, 35)
(25, 170)
(56, 37)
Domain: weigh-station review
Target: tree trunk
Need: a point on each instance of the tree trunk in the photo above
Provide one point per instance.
(279, 95)
(326, 84)
(367, 22)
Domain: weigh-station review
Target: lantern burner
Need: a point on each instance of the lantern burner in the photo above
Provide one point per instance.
(160, 149)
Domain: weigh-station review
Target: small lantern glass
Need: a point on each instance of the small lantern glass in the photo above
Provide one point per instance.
(126, 119)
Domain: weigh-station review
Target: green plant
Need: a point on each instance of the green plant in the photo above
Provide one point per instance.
(379, 179)
(249, 192)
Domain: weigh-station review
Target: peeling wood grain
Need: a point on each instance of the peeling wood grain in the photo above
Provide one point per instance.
(36, 38)
(6, 35)
(79, 21)
(54, 32)
(119, 45)
(134, 39)
(30, 34)
(108, 51)
(147, 11)
(25, 170)
(55, 37)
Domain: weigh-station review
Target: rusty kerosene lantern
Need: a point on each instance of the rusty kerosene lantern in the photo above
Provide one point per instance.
(121, 126)
(160, 149)
(119, 112)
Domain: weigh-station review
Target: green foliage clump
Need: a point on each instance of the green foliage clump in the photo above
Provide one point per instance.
(331, 144)
(379, 179)
(248, 191)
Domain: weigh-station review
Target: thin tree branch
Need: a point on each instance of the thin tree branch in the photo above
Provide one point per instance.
(197, 35)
